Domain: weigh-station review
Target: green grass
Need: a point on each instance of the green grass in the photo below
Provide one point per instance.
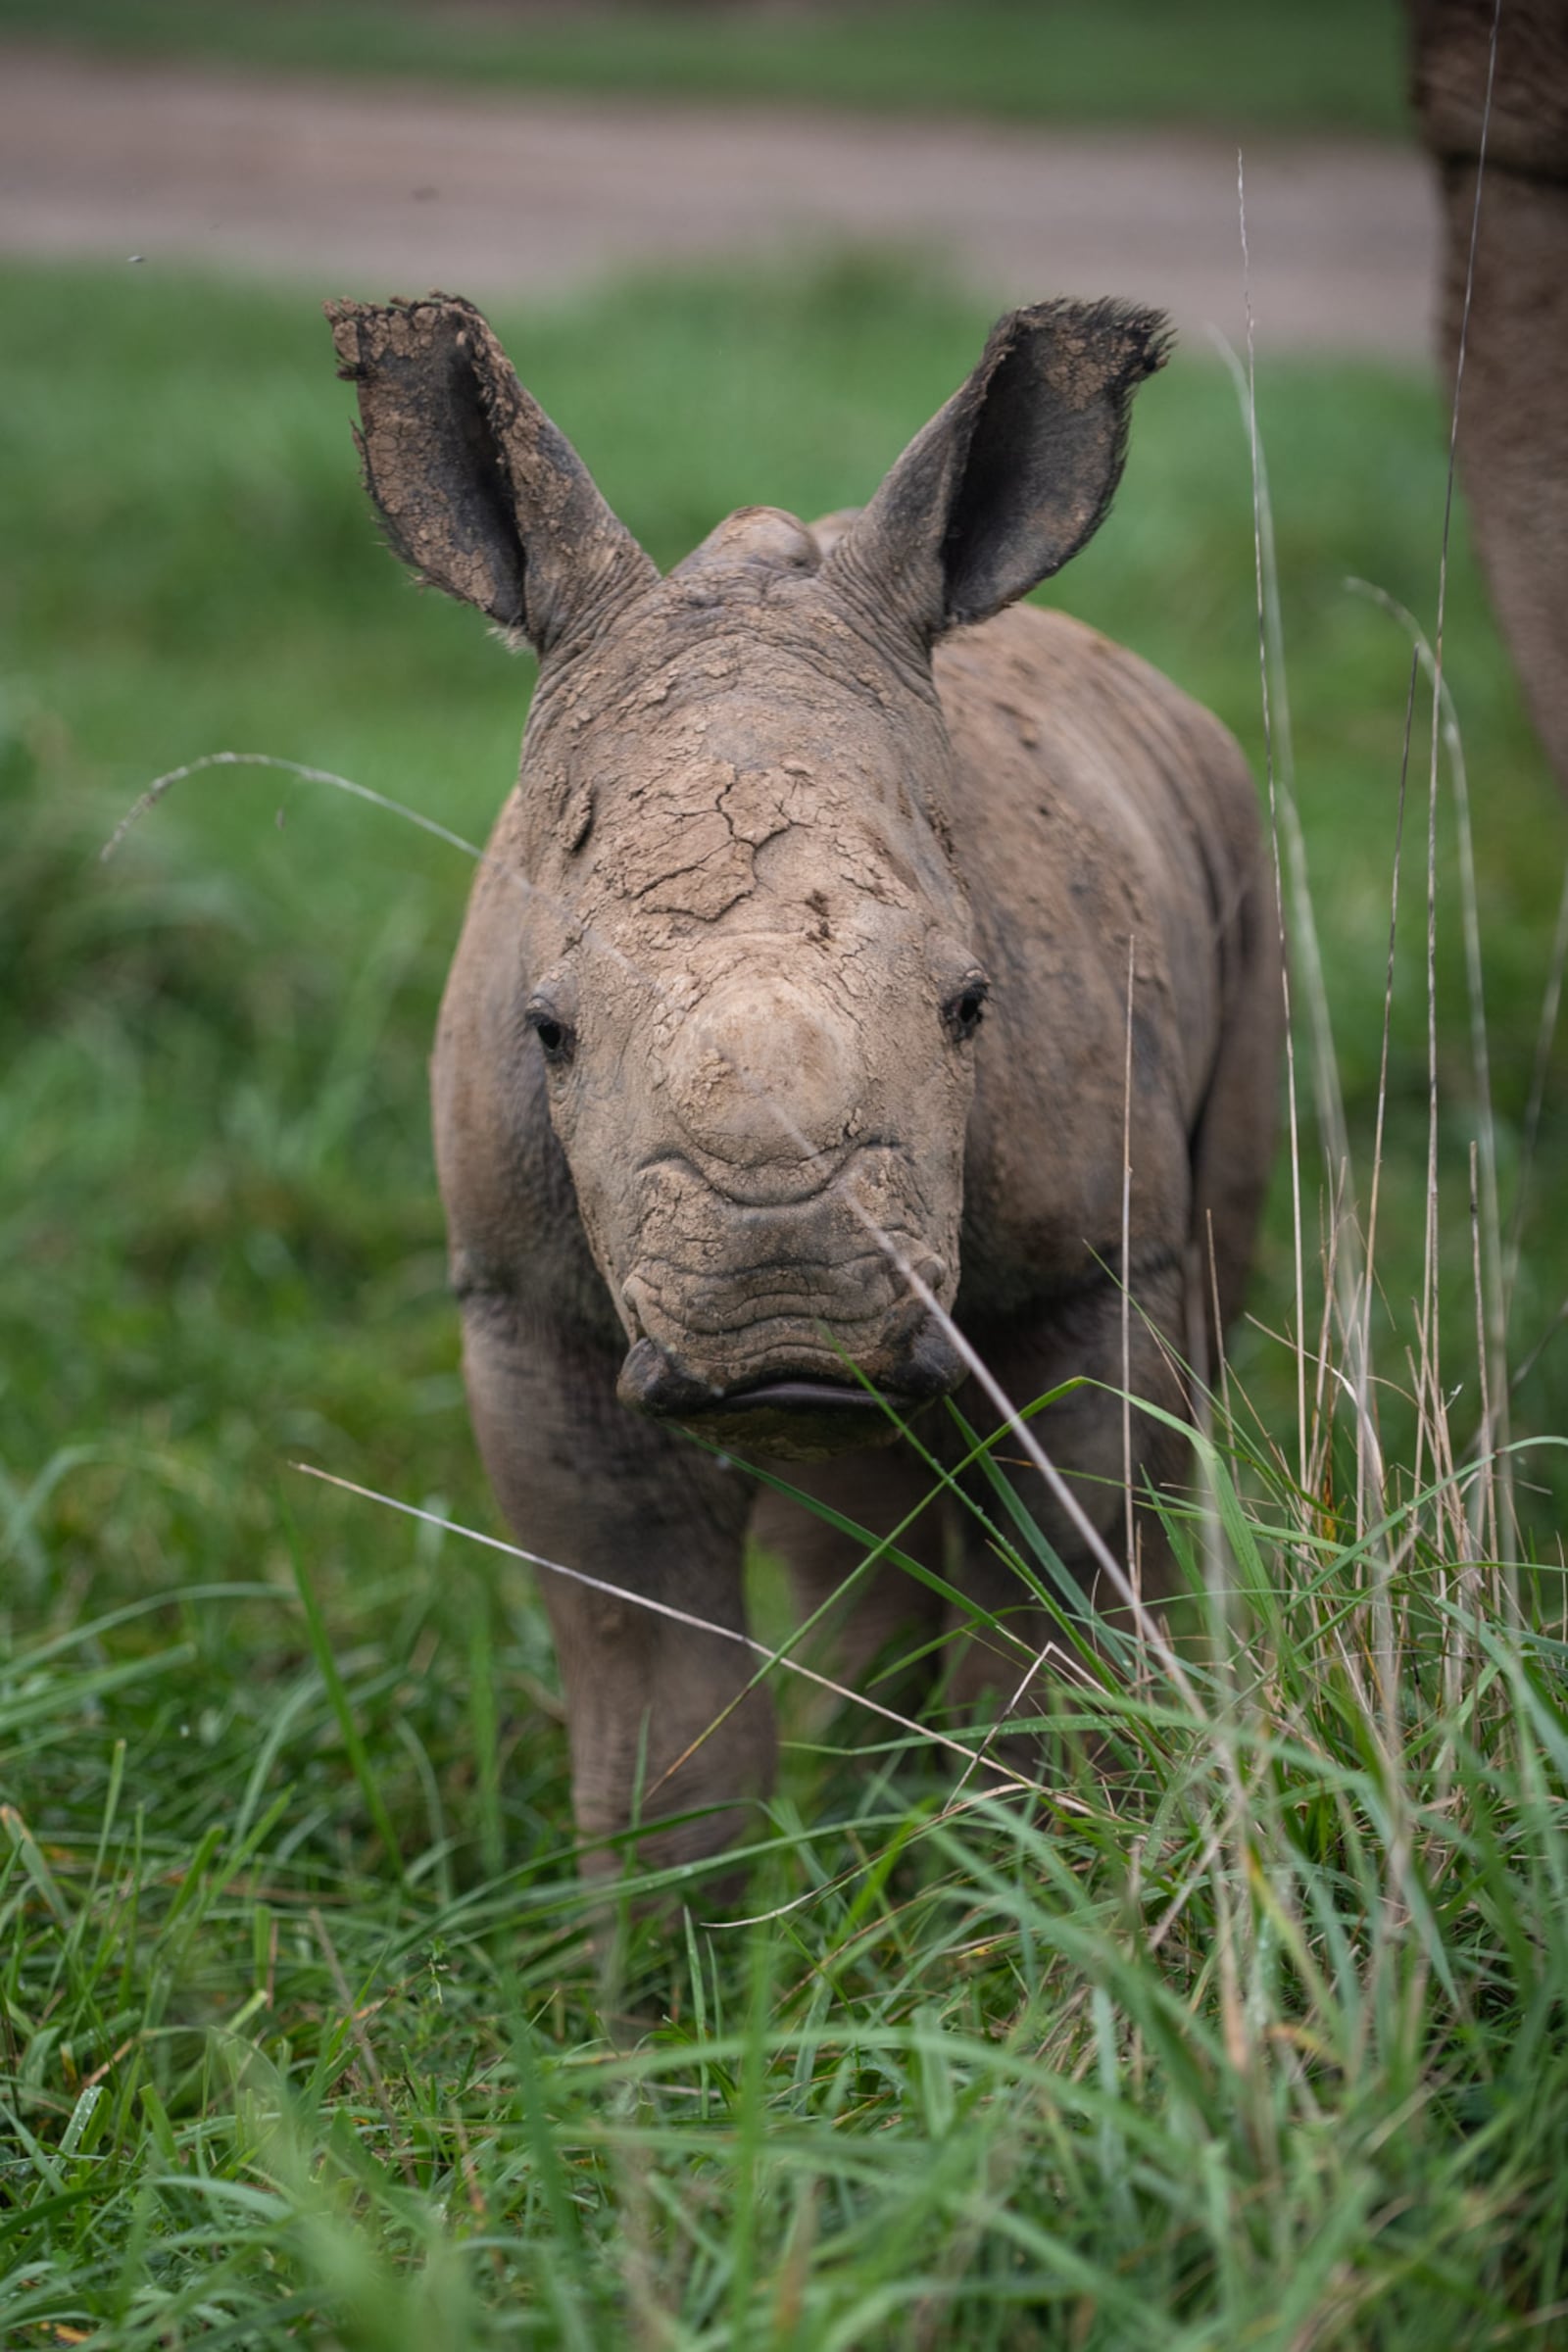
(1222, 64)
(1257, 2039)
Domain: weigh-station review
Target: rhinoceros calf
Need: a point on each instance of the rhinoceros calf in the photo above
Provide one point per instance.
(793, 995)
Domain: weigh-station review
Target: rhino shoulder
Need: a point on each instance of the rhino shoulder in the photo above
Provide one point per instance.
(1036, 693)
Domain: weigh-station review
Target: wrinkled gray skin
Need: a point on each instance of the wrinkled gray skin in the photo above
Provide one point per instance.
(1513, 416)
(711, 1079)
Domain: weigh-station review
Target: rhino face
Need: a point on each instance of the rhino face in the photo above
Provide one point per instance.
(741, 967)
(757, 1015)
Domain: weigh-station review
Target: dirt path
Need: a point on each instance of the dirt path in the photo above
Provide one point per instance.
(394, 187)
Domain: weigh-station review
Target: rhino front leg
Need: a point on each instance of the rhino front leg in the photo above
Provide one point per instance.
(1083, 1437)
(878, 1491)
(585, 1482)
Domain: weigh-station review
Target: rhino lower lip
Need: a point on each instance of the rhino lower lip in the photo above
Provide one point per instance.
(652, 1382)
(803, 1394)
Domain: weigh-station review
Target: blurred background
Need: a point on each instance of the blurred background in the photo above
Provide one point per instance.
(739, 252)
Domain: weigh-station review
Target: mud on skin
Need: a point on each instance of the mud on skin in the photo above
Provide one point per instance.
(797, 966)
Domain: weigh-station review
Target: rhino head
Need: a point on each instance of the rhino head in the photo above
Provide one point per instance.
(720, 934)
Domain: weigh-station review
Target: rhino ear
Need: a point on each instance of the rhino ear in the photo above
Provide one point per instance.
(1013, 475)
(475, 487)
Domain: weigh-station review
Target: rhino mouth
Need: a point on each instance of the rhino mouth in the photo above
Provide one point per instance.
(812, 1396)
(796, 1413)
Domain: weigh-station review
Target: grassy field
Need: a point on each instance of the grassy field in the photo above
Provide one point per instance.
(1252, 2034)
(1222, 64)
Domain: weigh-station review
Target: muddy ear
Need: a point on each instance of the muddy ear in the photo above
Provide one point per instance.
(1013, 475)
(475, 487)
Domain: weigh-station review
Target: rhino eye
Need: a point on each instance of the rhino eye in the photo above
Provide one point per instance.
(963, 1012)
(556, 1035)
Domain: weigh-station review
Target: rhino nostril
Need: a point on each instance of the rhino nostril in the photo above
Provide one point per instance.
(651, 1381)
(931, 1365)
(932, 1271)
